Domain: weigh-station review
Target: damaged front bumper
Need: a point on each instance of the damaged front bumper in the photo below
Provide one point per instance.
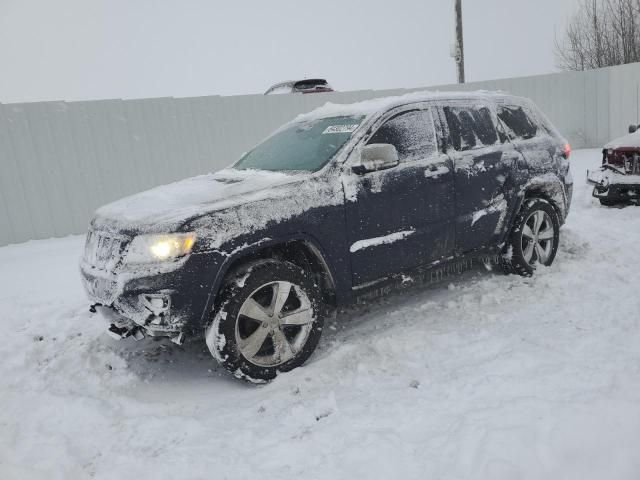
(137, 325)
(613, 184)
(160, 300)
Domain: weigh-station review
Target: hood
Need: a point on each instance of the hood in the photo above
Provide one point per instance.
(167, 207)
(628, 141)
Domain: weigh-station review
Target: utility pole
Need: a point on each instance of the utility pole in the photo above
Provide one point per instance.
(459, 44)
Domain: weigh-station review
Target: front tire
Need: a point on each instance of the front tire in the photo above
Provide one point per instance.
(269, 320)
(534, 238)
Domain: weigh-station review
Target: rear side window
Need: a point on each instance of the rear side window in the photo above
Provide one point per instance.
(470, 127)
(412, 133)
(519, 125)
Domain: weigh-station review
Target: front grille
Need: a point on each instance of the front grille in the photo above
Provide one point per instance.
(104, 250)
(101, 290)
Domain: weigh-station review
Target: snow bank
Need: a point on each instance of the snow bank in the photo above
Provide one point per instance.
(493, 377)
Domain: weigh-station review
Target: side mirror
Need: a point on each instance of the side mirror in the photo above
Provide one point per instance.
(633, 128)
(376, 156)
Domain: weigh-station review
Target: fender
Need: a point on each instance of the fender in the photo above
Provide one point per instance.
(516, 205)
(548, 187)
(343, 292)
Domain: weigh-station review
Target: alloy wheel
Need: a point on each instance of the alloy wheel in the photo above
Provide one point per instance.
(538, 235)
(274, 323)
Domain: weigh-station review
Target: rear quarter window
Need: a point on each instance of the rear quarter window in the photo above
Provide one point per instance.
(519, 124)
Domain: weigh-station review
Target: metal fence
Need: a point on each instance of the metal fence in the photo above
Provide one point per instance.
(59, 161)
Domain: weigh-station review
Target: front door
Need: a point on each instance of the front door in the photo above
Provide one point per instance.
(401, 217)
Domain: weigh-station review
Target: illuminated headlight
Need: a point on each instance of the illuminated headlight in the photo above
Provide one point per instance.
(156, 248)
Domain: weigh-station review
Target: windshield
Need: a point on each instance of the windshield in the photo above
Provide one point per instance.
(306, 146)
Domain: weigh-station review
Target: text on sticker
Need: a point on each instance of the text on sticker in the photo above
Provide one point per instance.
(341, 129)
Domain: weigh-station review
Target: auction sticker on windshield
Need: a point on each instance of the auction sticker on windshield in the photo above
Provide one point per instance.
(341, 129)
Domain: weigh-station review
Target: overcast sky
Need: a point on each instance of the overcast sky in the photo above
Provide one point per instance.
(90, 49)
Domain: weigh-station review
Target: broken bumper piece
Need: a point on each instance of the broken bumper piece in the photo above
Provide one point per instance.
(133, 324)
(118, 332)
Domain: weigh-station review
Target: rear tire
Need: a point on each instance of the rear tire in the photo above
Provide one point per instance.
(534, 238)
(269, 320)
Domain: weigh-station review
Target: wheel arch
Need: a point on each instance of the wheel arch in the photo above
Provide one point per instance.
(514, 257)
(300, 249)
(542, 188)
(550, 194)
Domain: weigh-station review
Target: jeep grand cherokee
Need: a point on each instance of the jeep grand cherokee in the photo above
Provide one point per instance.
(335, 205)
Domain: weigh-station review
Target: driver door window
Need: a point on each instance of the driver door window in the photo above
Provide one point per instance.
(412, 133)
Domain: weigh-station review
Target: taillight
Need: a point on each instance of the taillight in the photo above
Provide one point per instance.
(566, 151)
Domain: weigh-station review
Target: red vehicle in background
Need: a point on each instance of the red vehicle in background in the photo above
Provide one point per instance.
(617, 181)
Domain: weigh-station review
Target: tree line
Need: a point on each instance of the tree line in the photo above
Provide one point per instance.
(602, 33)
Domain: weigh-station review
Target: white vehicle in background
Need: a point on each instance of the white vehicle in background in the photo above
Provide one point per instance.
(311, 85)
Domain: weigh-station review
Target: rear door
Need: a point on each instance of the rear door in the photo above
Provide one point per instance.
(483, 160)
(401, 217)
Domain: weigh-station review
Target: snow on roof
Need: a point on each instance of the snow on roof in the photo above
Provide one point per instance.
(369, 107)
(631, 140)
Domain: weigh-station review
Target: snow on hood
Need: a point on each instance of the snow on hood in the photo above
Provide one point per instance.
(629, 141)
(170, 205)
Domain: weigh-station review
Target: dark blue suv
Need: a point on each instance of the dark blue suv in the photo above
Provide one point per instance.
(338, 205)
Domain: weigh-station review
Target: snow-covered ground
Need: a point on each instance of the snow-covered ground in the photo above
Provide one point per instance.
(489, 377)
